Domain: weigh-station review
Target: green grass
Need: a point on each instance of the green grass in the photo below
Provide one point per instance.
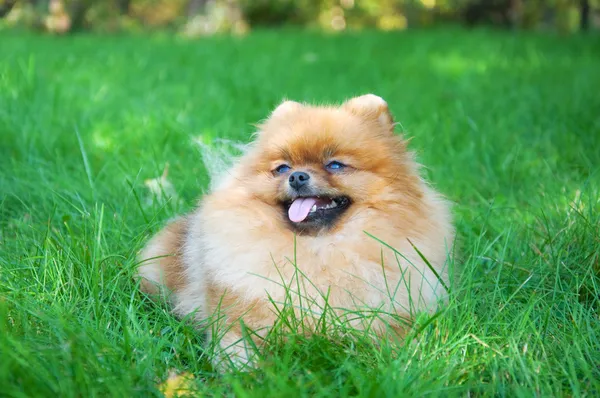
(508, 125)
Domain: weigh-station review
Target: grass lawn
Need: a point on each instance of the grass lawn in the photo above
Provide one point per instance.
(508, 125)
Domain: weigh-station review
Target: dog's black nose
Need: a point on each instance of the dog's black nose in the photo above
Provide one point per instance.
(298, 179)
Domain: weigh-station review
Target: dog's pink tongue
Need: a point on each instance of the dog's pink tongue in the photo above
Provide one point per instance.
(300, 208)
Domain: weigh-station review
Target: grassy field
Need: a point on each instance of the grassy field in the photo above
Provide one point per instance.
(508, 125)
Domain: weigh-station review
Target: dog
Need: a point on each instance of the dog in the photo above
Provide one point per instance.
(326, 203)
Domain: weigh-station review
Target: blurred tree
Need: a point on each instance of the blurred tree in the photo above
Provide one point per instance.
(495, 12)
(196, 7)
(57, 20)
(123, 6)
(200, 17)
(279, 12)
(77, 10)
(584, 17)
(6, 6)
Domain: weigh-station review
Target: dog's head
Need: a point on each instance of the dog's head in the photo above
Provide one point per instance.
(319, 165)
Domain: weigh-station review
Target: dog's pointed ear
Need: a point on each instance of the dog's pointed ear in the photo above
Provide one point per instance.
(285, 108)
(370, 107)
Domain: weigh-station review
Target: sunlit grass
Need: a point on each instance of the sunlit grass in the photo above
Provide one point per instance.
(507, 125)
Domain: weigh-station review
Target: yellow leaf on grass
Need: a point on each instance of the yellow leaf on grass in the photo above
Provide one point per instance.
(177, 385)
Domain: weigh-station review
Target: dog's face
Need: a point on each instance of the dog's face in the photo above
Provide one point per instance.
(319, 166)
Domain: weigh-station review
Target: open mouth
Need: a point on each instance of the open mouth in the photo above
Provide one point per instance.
(315, 211)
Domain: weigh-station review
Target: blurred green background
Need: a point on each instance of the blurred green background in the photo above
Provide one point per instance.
(102, 106)
(206, 17)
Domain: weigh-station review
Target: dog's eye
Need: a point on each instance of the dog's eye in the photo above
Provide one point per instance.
(335, 166)
(282, 169)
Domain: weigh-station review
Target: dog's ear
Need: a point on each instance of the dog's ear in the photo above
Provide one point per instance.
(285, 108)
(370, 107)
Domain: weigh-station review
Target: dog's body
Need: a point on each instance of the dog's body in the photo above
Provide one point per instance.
(306, 210)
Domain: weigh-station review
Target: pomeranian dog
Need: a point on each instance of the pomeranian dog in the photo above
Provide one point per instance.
(326, 208)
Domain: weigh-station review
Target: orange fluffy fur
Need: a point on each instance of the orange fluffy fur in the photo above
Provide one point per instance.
(234, 252)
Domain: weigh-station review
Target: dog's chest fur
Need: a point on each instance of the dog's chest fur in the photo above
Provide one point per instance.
(351, 269)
